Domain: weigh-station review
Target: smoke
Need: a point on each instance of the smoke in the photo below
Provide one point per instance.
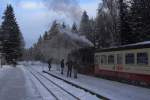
(70, 8)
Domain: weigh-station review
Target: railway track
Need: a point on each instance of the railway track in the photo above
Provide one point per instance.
(44, 86)
(77, 86)
(40, 77)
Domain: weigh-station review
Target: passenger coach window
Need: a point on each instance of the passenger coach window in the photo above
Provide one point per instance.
(103, 59)
(142, 58)
(111, 59)
(130, 58)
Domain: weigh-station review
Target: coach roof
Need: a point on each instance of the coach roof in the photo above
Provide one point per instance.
(140, 45)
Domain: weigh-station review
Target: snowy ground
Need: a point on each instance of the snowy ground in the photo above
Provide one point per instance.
(27, 86)
(18, 84)
(2, 70)
(110, 89)
(35, 89)
(59, 87)
(12, 84)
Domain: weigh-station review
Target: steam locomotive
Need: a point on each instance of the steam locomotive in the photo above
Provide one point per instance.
(85, 58)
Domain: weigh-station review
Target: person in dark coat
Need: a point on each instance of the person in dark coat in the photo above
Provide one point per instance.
(49, 64)
(62, 66)
(69, 71)
(75, 68)
(14, 62)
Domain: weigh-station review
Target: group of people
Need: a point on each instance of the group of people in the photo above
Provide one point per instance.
(70, 65)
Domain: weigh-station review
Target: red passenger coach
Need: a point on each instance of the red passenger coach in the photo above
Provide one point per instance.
(130, 63)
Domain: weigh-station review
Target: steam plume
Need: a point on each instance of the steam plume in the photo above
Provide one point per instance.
(70, 8)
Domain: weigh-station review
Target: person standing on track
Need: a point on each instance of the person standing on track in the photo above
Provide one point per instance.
(75, 68)
(62, 66)
(69, 71)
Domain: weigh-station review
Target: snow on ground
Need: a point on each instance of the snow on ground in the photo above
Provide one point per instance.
(76, 91)
(110, 89)
(12, 84)
(57, 91)
(3, 69)
(83, 95)
(26, 87)
(35, 89)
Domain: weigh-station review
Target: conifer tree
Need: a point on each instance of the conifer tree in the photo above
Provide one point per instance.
(1, 42)
(1, 37)
(85, 27)
(40, 40)
(63, 25)
(13, 39)
(54, 25)
(53, 30)
(93, 27)
(74, 28)
(124, 24)
(103, 26)
(45, 37)
(140, 23)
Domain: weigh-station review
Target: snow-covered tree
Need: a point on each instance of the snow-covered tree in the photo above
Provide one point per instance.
(93, 27)
(45, 36)
(124, 23)
(140, 23)
(74, 28)
(40, 40)
(104, 31)
(53, 30)
(85, 27)
(13, 39)
(1, 40)
(63, 25)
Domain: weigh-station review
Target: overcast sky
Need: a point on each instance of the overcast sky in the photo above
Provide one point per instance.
(36, 16)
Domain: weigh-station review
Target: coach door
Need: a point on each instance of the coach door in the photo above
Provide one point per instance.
(111, 61)
(119, 62)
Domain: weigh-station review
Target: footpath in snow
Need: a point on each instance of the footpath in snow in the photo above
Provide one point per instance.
(110, 89)
(15, 84)
(12, 84)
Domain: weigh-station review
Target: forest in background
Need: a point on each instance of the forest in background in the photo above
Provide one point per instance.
(118, 22)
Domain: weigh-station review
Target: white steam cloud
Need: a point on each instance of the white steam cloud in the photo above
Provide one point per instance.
(70, 8)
